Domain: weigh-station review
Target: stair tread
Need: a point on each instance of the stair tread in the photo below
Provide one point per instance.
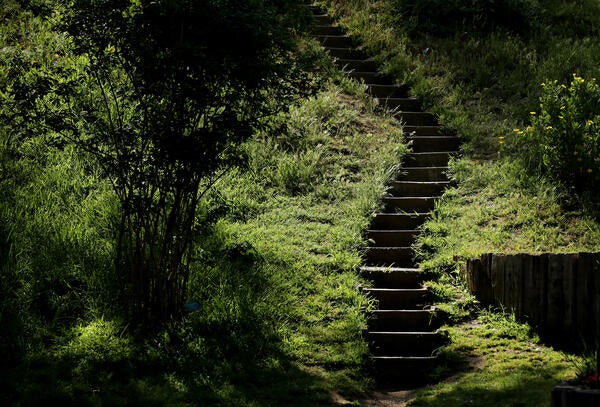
(400, 358)
(406, 333)
(390, 269)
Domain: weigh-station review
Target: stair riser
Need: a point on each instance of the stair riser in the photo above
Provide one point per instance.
(405, 345)
(404, 322)
(416, 118)
(400, 257)
(337, 41)
(395, 238)
(423, 174)
(387, 94)
(371, 77)
(322, 19)
(405, 372)
(426, 145)
(421, 130)
(400, 300)
(346, 53)
(427, 160)
(356, 65)
(409, 204)
(416, 190)
(401, 102)
(326, 30)
(397, 221)
(395, 279)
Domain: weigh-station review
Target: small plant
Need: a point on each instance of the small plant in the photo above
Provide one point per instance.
(563, 139)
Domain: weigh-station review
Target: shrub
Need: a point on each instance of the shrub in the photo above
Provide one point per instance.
(563, 139)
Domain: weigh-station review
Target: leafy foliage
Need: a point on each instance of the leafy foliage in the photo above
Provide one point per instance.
(170, 90)
(564, 137)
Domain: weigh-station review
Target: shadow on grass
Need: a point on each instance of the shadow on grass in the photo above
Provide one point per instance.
(228, 353)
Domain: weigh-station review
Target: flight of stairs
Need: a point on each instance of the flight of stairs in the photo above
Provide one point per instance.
(403, 331)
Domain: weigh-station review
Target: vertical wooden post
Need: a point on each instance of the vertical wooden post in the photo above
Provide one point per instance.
(555, 294)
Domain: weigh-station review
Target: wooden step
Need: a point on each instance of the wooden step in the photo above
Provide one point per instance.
(400, 102)
(346, 53)
(411, 371)
(428, 159)
(404, 320)
(371, 77)
(326, 29)
(399, 298)
(409, 204)
(405, 343)
(394, 277)
(383, 93)
(416, 118)
(356, 64)
(392, 256)
(423, 144)
(421, 130)
(392, 237)
(322, 19)
(337, 41)
(415, 188)
(398, 220)
(423, 174)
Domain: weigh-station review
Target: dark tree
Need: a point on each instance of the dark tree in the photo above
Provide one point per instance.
(175, 86)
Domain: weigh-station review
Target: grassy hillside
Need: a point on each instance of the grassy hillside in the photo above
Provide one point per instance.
(279, 239)
(483, 66)
(276, 250)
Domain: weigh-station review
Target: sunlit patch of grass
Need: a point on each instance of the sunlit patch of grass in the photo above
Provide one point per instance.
(499, 362)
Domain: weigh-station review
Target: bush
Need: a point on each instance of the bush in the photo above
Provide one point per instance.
(563, 140)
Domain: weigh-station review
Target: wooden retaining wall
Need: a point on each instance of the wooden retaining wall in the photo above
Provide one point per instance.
(558, 294)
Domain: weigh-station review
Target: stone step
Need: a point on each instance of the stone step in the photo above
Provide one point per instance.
(326, 29)
(383, 93)
(399, 298)
(393, 277)
(398, 221)
(426, 174)
(405, 343)
(409, 204)
(421, 130)
(337, 41)
(404, 320)
(416, 118)
(428, 159)
(423, 144)
(371, 77)
(392, 256)
(346, 53)
(404, 103)
(392, 237)
(356, 64)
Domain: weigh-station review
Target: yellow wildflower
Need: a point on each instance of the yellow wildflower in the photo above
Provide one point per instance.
(589, 171)
(548, 127)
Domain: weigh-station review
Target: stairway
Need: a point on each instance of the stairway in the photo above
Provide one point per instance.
(403, 332)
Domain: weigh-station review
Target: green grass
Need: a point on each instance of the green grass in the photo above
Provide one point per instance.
(479, 65)
(278, 241)
(498, 362)
(277, 245)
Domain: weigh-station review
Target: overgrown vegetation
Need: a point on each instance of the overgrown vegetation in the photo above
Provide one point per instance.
(483, 67)
(273, 315)
(273, 311)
